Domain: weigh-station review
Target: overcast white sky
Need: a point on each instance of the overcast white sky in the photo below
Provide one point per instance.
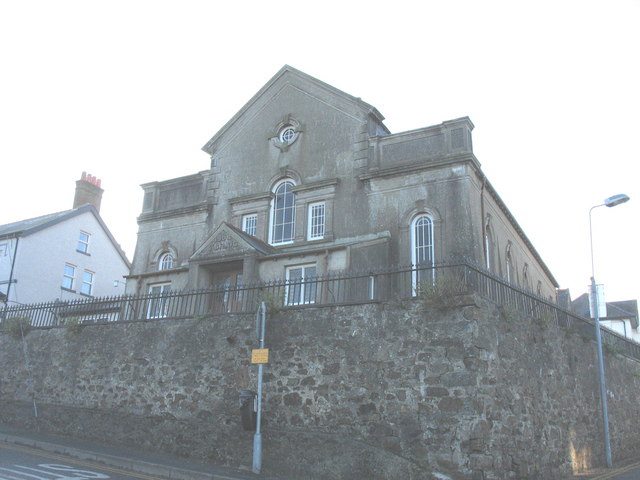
(129, 91)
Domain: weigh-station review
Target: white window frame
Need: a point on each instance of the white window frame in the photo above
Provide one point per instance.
(288, 134)
(422, 242)
(297, 290)
(250, 224)
(165, 262)
(488, 246)
(68, 277)
(280, 239)
(316, 219)
(158, 305)
(88, 281)
(83, 245)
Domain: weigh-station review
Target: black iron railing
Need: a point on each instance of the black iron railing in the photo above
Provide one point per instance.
(437, 284)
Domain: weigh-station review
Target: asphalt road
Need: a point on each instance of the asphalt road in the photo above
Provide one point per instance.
(25, 463)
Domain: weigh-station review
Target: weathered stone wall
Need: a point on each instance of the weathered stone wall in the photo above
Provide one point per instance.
(373, 391)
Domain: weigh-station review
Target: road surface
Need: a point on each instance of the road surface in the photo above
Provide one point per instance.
(25, 463)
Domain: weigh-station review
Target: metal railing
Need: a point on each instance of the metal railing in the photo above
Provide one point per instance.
(438, 283)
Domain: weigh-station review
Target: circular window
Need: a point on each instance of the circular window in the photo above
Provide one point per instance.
(288, 134)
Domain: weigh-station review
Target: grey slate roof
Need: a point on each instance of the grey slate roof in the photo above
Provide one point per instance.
(31, 225)
(624, 310)
(24, 228)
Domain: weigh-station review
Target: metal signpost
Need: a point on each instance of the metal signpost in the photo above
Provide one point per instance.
(260, 356)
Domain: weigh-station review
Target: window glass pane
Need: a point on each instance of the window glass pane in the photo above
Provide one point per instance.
(299, 290)
(422, 255)
(316, 221)
(249, 223)
(83, 242)
(158, 304)
(68, 277)
(283, 214)
(166, 262)
(87, 283)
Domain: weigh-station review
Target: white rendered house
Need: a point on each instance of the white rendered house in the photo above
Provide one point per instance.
(65, 255)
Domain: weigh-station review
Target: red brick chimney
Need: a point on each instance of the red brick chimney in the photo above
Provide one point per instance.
(88, 191)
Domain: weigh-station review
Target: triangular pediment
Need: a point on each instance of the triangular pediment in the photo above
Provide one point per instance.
(228, 242)
(289, 81)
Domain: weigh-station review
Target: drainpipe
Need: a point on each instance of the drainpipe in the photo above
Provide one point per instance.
(13, 264)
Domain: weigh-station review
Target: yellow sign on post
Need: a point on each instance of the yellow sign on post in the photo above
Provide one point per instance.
(260, 355)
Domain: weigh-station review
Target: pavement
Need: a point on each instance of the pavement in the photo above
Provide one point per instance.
(629, 470)
(140, 461)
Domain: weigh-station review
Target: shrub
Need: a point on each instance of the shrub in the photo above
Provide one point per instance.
(17, 327)
(273, 301)
(73, 325)
(441, 291)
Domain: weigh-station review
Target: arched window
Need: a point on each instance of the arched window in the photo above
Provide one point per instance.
(422, 251)
(525, 277)
(488, 245)
(509, 264)
(165, 262)
(283, 213)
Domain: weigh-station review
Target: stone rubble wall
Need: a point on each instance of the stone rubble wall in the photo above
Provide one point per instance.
(374, 391)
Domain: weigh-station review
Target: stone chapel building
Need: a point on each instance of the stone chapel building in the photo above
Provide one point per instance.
(306, 180)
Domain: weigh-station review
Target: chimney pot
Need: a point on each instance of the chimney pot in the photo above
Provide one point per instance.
(88, 190)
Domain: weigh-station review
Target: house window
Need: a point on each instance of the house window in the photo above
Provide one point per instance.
(249, 224)
(316, 217)
(283, 214)
(165, 262)
(68, 277)
(83, 242)
(87, 283)
(422, 253)
(158, 300)
(300, 288)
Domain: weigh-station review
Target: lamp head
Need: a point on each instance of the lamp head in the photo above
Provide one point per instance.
(616, 200)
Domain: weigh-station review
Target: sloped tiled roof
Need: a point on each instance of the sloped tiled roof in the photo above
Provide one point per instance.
(24, 228)
(32, 225)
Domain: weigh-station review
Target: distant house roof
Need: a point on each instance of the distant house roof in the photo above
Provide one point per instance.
(624, 310)
(24, 228)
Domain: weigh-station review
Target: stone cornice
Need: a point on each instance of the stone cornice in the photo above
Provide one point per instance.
(149, 217)
(417, 167)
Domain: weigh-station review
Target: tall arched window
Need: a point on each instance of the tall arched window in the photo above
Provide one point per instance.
(488, 245)
(283, 213)
(525, 277)
(509, 264)
(422, 251)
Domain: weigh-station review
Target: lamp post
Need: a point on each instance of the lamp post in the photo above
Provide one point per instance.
(609, 202)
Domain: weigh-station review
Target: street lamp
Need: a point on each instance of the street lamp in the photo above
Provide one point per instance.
(609, 202)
